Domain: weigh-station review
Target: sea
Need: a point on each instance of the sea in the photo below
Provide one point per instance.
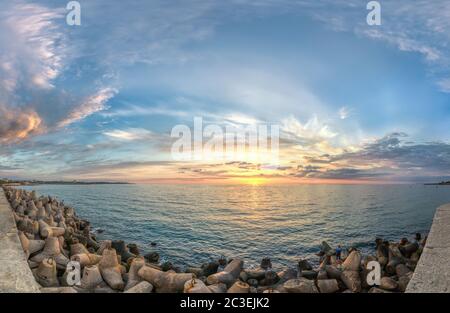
(193, 224)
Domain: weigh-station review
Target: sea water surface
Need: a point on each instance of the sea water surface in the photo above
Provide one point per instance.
(192, 224)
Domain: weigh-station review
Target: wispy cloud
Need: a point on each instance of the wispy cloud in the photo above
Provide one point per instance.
(130, 134)
(93, 104)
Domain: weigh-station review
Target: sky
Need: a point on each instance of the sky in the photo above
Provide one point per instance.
(354, 103)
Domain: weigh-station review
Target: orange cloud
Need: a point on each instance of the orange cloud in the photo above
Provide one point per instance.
(18, 125)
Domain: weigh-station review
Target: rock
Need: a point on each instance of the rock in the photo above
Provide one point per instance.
(218, 288)
(309, 274)
(210, 268)
(387, 283)
(328, 285)
(266, 263)
(351, 280)
(91, 277)
(239, 287)
(221, 277)
(271, 278)
(165, 282)
(271, 291)
(304, 265)
(133, 249)
(59, 290)
(46, 230)
(300, 285)
(122, 250)
(46, 274)
(167, 266)
(142, 287)
(333, 272)
(403, 281)
(78, 248)
(30, 246)
(255, 274)
(111, 270)
(353, 261)
(402, 270)
(52, 250)
(252, 282)
(229, 275)
(392, 265)
(197, 271)
(196, 286)
(322, 274)
(377, 290)
(133, 273)
(86, 259)
(287, 274)
(326, 249)
(234, 267)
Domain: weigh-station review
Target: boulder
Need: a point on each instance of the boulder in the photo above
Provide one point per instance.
(328, 285)
(352, 280)
(300, 285)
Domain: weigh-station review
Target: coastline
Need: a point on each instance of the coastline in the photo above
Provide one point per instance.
(56, 233)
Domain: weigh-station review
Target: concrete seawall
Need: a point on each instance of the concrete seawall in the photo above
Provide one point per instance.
(432, 274)
(15, 274)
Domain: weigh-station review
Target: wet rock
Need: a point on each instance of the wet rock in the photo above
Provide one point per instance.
(252, 282)
(287, 274)
(328, 285)
(300, 285)
(309, 274)
(255, 274)
(152, 257)
(210, 268)
(134, 249)
(122, 250)
(266, 263)
(304, 265)
(271, 278)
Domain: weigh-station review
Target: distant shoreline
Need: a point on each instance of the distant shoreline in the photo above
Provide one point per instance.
(70, 183)
(447, 183)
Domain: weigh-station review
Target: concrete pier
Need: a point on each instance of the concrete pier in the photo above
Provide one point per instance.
(15, 274)
(432, 274)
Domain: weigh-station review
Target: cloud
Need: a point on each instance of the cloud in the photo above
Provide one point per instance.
(344, 113)
(130, 134)
(444, 84)
(93, 104)
(33, 47)
(312, 130)
(17, 125)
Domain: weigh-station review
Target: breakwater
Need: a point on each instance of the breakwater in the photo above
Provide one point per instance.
(52, 236)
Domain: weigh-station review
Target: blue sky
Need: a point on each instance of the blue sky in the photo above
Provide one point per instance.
(98, 101)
